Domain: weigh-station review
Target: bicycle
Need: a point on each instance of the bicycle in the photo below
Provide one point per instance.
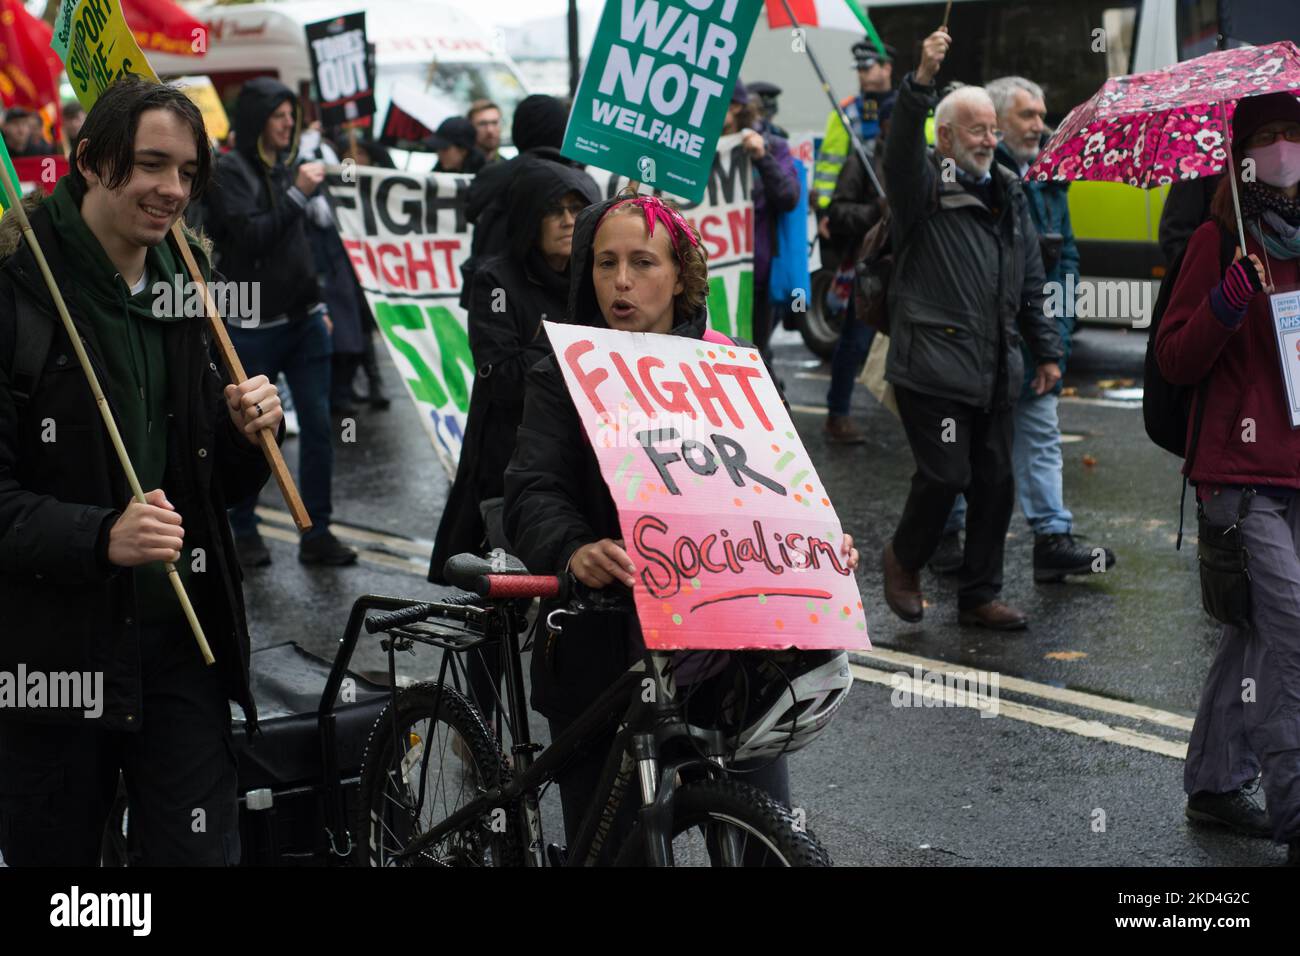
(475, 808)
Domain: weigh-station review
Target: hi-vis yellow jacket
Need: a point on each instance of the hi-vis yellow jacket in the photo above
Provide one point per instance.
(836, 145)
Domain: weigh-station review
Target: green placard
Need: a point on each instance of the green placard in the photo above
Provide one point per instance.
(656, 88)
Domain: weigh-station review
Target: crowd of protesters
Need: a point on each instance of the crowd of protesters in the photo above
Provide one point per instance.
(973, 358)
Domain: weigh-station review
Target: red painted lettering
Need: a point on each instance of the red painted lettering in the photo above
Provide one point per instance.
(711, 395)
(742, 374)
(587, 380)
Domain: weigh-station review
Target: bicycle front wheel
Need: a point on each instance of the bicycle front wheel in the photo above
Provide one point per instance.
(726, 823)
(423, 762)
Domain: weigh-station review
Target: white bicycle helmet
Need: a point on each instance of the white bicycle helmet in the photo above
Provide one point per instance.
(784, 700)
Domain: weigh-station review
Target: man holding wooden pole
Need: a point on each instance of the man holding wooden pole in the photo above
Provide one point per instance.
(84, 568)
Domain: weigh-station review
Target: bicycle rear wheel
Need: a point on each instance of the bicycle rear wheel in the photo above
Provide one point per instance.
(444, 757)
(726, 823)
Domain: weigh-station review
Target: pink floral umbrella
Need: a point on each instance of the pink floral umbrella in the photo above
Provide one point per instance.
(1153, 129)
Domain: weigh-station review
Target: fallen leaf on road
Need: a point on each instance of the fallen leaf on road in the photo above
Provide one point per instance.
(1064, 655)
(1089, 461)
(1069, 391)
(1115, 383)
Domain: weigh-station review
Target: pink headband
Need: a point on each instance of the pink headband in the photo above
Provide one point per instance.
(656, 211)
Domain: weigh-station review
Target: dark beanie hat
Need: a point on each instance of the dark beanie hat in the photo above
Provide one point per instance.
(539, 121)
(1254, 111)
(739, 93)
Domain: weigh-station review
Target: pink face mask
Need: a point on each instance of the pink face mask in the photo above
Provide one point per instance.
(1278, 163)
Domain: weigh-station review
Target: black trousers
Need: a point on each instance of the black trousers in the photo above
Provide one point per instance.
(58, 781)
(959, 449)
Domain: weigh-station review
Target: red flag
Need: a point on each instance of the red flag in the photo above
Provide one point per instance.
(163, 26)
(29, 69)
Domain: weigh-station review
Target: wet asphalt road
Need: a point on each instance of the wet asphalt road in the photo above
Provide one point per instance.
(1086, 771)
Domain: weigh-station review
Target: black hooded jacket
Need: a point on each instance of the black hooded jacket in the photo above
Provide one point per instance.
(255, 222)
(63, 605)
(513, 294)
(557, 501)
(487, 206)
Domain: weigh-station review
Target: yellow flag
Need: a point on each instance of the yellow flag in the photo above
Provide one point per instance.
(96, 46)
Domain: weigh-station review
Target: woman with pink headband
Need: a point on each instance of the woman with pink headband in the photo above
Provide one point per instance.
(637, 266)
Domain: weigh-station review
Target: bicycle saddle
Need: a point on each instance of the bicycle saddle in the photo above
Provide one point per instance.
(464, 570)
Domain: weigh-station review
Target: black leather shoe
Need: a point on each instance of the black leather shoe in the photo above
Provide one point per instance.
(1236, 811)
(1056, 555)
(325, 549)
(251, 551)
(948, 557)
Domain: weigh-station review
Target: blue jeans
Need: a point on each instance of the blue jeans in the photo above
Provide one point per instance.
(300, 350)
(850, 352)
(1036, 458)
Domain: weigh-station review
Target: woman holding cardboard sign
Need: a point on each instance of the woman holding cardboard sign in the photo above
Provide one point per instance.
(637, 266)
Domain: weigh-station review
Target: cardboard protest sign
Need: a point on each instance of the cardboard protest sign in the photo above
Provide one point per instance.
(345, 73)
(732, 532)
(96, 47)
(407, 237)
(656, 88)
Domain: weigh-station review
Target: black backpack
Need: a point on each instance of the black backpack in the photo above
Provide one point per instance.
(1166, 407)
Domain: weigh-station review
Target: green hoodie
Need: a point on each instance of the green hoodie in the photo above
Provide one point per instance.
(132, 348)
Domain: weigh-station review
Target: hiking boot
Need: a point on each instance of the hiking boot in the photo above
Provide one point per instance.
(902, 587)
(1237, 810)
(948, 557)
(1056, 555)
(251, 551)
(841, 431)
(994, 615)
(325, 549)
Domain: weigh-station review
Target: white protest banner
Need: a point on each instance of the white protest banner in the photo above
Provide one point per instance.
(733, 535)
(407, 236)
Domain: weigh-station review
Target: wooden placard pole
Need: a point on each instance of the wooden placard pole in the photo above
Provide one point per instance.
(235, 370)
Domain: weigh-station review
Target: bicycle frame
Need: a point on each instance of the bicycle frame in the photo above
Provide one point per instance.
(645, 699)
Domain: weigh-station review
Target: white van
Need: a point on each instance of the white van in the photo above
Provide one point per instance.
(429, 46)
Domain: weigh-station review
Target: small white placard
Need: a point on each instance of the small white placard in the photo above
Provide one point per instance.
(1286, 325)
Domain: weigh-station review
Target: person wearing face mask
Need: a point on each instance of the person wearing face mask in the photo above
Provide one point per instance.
(967, 287)
(638, 266)
(1218, 334)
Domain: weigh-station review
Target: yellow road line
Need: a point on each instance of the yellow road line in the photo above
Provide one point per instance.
(405, 565)
(415, 548)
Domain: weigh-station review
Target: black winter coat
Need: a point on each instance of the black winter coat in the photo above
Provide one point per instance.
(259, 230)
(513, 295)
(967, 281)
(63, 606)
(557, 501)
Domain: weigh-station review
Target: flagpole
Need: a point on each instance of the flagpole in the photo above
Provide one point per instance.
(858, 146)
(137, 492)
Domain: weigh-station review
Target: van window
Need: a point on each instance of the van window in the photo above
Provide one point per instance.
(454, 86)
(1052, 42)
(1198, 27)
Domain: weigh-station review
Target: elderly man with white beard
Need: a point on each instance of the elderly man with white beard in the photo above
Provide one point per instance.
(967, 287)
(1036, 452)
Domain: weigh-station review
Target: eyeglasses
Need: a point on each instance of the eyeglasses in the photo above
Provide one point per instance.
(981, 131)
(1271, 136)
(557, 210)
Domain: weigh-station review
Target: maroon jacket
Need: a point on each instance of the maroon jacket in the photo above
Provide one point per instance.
(1244, 370)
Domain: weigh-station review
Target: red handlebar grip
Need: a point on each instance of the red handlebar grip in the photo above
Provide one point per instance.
(522, 586)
